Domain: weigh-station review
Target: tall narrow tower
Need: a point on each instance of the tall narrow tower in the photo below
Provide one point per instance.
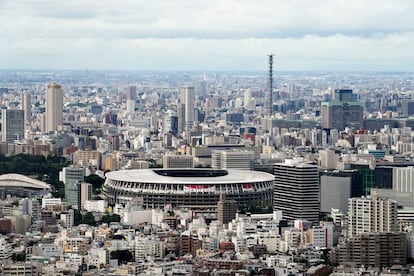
(27, 106)
(188, 98)
(270, 82)
(54, 106)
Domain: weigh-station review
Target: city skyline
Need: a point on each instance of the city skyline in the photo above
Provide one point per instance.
(230, 35)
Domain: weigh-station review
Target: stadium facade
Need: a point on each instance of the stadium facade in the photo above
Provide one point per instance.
(189, 188)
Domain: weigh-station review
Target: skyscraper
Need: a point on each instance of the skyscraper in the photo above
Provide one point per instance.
(131, 93)
(181, 118)
(72, 177)
(296, 190)
(344, 95)
(27, 106)
(343, 112)
(12, 125)
(188, 98)
(54, 107)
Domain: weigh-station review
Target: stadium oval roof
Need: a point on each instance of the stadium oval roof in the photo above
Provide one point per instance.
(177, 176)
(18, 180)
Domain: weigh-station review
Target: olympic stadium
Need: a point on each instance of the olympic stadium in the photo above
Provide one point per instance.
(188, 188)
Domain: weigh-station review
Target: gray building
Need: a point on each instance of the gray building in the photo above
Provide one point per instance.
(188, 99)
(343, 111)
(131, 93)
(342, 114)
(335, 192)
(337, 187)
(72, 177)
(402, 187)
(407, 107)
(12, 127)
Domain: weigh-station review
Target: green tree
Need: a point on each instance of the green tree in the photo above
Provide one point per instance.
(96, 182)
(19, 257)
(89, 219)
(77, 217)
(110, 218)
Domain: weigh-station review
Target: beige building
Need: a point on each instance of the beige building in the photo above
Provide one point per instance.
(84, 194)
(226, 209)
(371, 214)
(188, 99)
(233, 159)
(88, 157)
(177, 161)
(54, 107)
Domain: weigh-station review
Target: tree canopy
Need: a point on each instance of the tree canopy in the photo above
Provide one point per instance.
(44, 168)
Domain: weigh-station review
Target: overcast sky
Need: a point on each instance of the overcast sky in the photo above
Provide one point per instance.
(332, 35)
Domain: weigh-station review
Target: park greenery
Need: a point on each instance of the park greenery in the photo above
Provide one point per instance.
(44, 169)
(37, 166)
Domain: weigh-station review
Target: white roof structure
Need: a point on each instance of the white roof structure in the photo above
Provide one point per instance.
(14, 180)
(151, 176)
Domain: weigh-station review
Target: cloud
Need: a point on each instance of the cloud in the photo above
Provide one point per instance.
(188, 34)
(235, 19)
(336, 52)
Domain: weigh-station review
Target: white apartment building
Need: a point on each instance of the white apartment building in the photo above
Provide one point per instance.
(371, 214)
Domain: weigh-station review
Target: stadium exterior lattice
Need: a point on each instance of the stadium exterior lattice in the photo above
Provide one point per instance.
(189, 188)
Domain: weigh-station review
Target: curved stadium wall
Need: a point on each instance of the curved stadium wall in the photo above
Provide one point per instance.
(188, 188)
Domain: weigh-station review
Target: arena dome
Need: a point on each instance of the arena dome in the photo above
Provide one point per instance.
(188, 188)
(18, 184)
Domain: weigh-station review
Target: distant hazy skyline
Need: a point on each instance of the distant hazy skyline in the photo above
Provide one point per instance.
(329, 35)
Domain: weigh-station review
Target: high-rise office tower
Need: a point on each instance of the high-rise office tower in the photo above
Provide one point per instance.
(72, 177)
(170, 123)
(371, 214)
(181, 118)
(54, 107)
(12, 125)
(344, 95)
(296, 190)
(188, 98)
(131, 93)
(343, 112)
(27, 106)
(200, 87)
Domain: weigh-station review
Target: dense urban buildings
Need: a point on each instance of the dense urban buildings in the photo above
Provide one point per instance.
(186, 174)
